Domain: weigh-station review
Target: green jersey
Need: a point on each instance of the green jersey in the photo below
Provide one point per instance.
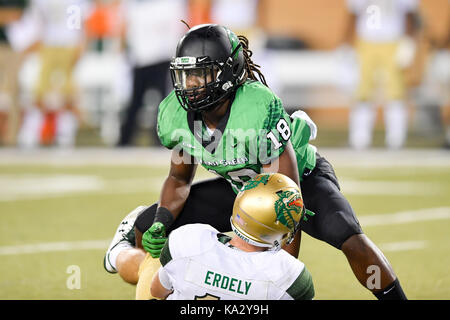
(254, 131)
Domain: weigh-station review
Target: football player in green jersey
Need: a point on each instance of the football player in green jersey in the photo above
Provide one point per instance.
(223, 116)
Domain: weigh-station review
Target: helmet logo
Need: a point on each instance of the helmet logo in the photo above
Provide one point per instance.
(296, 202)
(263, 178)
(234, 41)
(288, 207)
(185, 60)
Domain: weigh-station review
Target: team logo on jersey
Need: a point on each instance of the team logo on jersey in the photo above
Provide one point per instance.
(289, 205)
(256, 181)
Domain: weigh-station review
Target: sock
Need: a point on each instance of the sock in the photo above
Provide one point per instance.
(393, 291)
(48, 129)
(396, 120)
(361, 122)
(29, 134)
(112, 256)
(66, 129)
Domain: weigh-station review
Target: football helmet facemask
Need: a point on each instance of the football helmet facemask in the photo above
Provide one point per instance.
(208, 67)
(267, 211)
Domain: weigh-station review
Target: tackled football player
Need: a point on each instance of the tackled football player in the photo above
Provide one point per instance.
(198, 262)
(222, 115)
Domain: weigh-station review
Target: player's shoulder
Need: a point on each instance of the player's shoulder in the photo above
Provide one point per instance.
(255, 105)
(256, 87)
(254, 92)
(191, 239)
(171, 117)
(169, 106)
(282, 268)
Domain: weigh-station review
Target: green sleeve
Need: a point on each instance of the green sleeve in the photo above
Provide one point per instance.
(300, 133)
(276, 130)
(304, 151)
(302, 288)
(170, 114)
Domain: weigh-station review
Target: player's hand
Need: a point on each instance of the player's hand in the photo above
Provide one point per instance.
(154, 239)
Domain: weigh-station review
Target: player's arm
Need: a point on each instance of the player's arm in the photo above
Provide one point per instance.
(177, 185)
(286, 164)
(157, 289)
(161, 285)
(174, 193)
(302, 288)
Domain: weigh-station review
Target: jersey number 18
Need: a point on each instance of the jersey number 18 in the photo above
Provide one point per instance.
(284, 131)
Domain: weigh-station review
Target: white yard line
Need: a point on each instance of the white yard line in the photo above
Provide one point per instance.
(390, 188)
(151, 156)
(86, 156)
(17, 187)
(55, 246)
(405, 217)
(35, 187)
(374, 220)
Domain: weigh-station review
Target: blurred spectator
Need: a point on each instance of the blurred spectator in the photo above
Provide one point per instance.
(199, 12)
(242, 16)
(104, 23)
(10, 61)
(238, 15)
(432, 115)
(385, 46)
(152, 30)
(55, 115)
(103, 74)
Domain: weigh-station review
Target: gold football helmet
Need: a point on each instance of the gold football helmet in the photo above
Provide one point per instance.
(267, 211)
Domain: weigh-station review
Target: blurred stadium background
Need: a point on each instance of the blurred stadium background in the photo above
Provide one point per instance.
(61, 198)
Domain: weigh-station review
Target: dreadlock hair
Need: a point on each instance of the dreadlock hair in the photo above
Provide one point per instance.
(252, 68)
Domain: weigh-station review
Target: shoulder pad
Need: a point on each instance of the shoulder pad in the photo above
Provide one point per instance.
(191, 239)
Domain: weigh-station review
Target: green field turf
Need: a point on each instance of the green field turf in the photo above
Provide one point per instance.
(57, 215)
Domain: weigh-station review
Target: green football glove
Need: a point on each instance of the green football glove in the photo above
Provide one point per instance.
(154, 239)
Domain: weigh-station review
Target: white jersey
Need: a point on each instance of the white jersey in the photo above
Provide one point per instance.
(153, 28)
(381, 20)
(197, 264)
(60, 22)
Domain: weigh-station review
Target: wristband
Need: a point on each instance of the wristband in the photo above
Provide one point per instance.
(164, 216)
